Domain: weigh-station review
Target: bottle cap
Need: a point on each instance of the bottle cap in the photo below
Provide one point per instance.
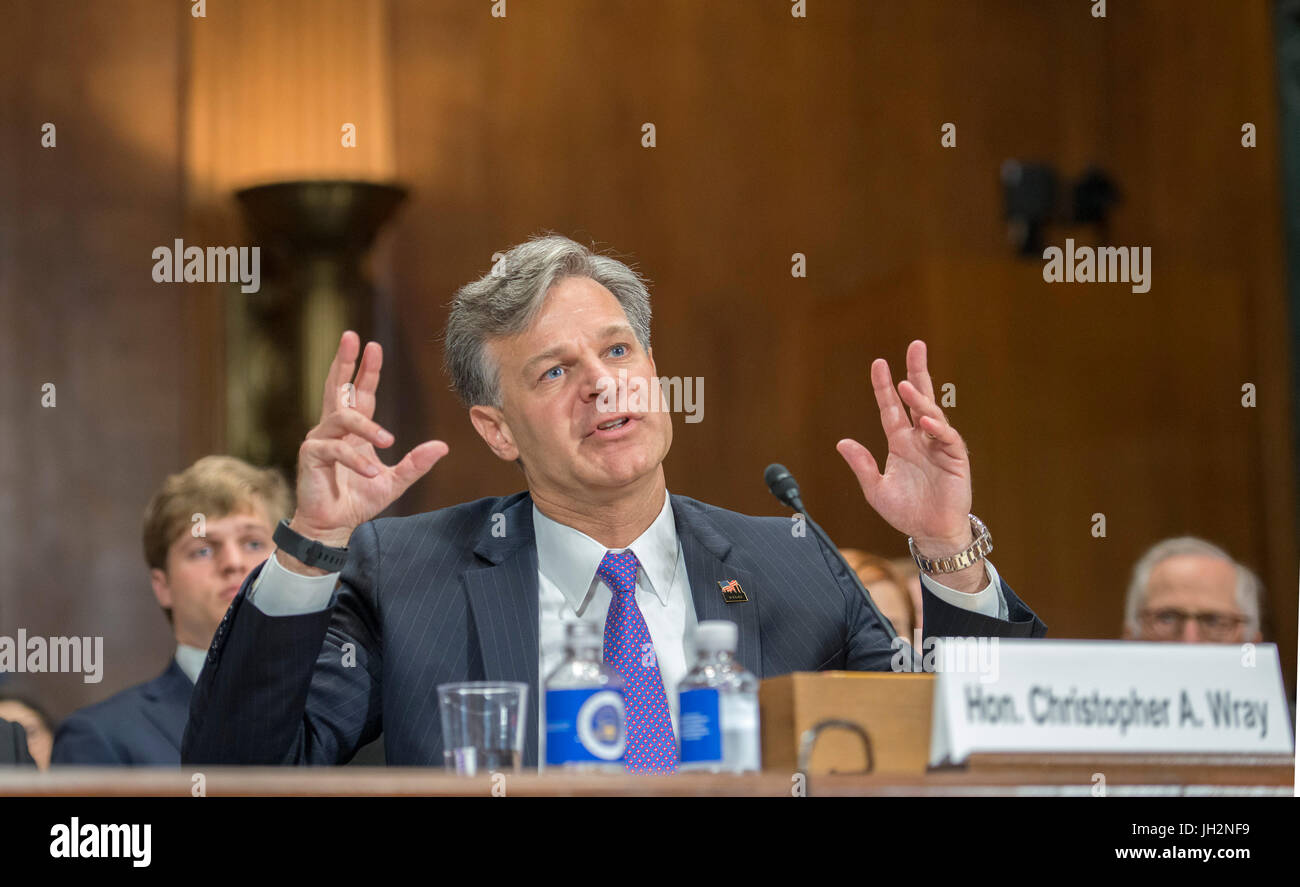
(716, 635)
(584, 634)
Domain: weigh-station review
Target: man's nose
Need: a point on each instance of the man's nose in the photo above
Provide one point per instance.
(594, 378)
(231, 559)
(1192, 632)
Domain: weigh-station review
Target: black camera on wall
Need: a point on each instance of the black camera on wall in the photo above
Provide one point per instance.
(1031, 201)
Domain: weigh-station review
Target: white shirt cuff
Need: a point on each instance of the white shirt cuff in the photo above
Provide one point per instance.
(281, 592)
(988, 601)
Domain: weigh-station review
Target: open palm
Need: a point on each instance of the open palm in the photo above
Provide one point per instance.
(925, 489)
(341, 481)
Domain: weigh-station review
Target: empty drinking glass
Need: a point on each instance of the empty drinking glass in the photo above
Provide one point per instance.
(483, 725)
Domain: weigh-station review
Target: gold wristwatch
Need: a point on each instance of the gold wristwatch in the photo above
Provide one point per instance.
(968, 556)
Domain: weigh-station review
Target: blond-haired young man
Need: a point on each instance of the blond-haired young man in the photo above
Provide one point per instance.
(204, 530)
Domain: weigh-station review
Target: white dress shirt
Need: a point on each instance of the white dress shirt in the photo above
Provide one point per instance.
(569, 590)
(191, 660)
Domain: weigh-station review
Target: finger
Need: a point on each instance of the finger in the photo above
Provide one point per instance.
(918, 373)
(417, 463)
(331, 451)
(344, 422)
(367, 381)
(919, 404)
(892, 416)
(862, 463)
(340, 372)
(945, 437)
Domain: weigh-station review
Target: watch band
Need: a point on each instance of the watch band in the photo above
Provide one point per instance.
(968, 556)
(309, 551)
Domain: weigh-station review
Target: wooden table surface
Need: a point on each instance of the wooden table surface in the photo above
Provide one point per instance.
(983, 775)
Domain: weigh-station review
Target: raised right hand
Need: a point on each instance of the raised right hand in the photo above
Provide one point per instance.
(341, 482)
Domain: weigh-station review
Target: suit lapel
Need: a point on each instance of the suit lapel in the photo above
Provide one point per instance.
(708, 563)
(503, 605)
(168, 698)
(503, 597)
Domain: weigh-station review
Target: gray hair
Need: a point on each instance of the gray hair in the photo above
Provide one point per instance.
(1248, 584)
(504, 302)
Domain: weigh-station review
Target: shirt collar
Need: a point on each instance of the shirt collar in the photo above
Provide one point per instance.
(191, 660)
(569, 558)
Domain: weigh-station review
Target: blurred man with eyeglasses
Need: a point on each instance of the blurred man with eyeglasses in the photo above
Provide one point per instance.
(1189, 590)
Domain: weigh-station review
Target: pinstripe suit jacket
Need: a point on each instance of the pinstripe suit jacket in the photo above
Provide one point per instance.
(439, 597)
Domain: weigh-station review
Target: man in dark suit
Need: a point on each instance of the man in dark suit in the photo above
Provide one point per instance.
(324, 647)
(13, 744)
(204, 529)
(140, 725)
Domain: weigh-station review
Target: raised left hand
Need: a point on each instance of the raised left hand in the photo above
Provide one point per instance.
(925, 490)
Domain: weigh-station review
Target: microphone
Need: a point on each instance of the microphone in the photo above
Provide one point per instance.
(783, 485)
(785, 488)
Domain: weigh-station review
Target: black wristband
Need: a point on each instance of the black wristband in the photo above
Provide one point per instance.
(309, 551)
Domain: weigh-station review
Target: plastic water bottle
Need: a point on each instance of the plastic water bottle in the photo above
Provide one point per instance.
(718, 706)
(585, 726)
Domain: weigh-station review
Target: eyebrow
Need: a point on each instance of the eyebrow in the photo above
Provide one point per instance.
(551, 353)
(253, 525)
(242, 528)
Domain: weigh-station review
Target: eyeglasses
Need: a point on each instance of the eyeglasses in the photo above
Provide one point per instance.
(1167, 624)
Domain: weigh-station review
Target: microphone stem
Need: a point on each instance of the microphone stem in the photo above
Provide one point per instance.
(826, 540)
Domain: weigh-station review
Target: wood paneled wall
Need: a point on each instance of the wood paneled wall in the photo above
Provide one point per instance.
(78, 223)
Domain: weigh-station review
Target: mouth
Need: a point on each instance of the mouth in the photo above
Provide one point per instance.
(612, 428)
(229, 593)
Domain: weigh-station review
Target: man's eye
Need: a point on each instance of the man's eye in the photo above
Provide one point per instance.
(256, 544)
(201, 552)
(618, 351)
(553, 373)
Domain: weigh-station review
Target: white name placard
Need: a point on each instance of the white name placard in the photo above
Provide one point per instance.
(998, 695)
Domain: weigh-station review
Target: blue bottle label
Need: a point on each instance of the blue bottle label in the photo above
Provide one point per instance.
(584, 725)
(701, 728)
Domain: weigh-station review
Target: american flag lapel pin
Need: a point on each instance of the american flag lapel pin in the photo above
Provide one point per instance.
(732, 593)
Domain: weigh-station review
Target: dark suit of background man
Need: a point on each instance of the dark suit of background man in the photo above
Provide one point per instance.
(545, 352)
(196, 568)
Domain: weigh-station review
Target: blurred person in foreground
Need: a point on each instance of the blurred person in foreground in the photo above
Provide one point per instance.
(347, 629)
(21, 709)
(888, 588)
(911, 573)
(13, 745)
(204, 530)
(1189, 590)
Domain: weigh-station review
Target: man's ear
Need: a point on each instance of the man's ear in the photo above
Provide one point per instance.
(650, 353)
(162, 589)
(491, 425)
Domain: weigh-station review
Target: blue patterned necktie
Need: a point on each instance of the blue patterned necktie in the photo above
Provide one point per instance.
(628, 649)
